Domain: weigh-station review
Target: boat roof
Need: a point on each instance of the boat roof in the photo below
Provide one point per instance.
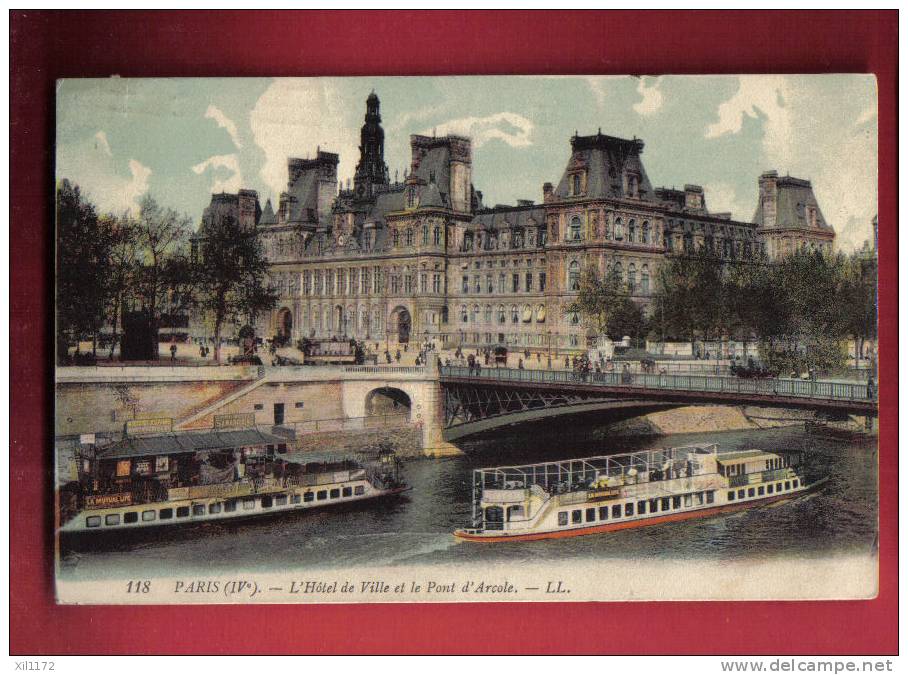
(738, 455)
(600, 461)
(188, 441)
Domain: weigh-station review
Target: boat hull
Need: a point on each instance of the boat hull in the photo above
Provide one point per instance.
(494, 536)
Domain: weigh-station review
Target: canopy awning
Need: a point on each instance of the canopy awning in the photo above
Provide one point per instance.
(188, 441)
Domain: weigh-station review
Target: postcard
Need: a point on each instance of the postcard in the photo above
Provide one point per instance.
(466, 339)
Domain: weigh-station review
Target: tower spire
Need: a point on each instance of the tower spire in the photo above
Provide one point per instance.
(371, 169)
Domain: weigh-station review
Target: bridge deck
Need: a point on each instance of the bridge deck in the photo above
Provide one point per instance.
(856, 397)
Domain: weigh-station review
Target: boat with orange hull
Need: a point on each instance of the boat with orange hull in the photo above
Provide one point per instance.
(577, 497)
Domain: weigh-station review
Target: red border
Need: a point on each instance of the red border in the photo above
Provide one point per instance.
(48, 45)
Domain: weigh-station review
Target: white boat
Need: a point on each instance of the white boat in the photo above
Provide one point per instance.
(593, 495)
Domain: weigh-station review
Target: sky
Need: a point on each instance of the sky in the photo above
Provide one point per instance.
(182, 139)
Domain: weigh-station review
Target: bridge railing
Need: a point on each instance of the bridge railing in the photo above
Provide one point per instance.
(695, 383)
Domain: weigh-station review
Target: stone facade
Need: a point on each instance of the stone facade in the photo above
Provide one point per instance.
(423, 258)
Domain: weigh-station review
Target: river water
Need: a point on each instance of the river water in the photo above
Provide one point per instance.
(416, 528)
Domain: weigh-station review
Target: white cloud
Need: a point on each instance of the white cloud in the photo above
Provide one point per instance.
(216, 114)
(231, 183)
(510, 128)
(294, 117)
(91, 165)
(809, 131)
(723, 198)
(651, 99)
(102, 144)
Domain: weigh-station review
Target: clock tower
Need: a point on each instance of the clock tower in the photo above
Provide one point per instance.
(371, 171)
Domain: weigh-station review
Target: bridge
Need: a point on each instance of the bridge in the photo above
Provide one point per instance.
(478, 400)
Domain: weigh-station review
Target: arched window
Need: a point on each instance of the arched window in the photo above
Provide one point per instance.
(632, 277)
(501, 318)
(436, 235)
(463, 314)
(527, 314)
(645, 233)
(632, 231)
(574, 318)
(488, 314)
(540, 313)
(425, 235)
(408, 239)
(618, 271)
(574, 276)
(515, 315)
(468, 241)
(644, 280)
(575, 229)
(475, 314)
(619, 229)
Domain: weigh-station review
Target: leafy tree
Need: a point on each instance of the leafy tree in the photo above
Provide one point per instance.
(688, 297)
(231, 276)
(598, 299)
(82, 270)
(626, 319)
(858, 296)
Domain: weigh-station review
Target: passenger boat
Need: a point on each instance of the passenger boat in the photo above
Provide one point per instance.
(153, 479)
(616, 492)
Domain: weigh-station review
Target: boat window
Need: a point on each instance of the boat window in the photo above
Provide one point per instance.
(688, 500)
(165, 514)
(308, 496)
(131, 517)
(751, 492)
(731, 495)
(562, 518)
(149, 515)
(248, 504)
(616, 511)
(676, 502)
(112, 519)
(710, 497)
(93, 521)
(788, 485)
(182, 511)
(198, 509)
(760, 490)
(794, 483)
(295, 498)
(778, 487)
(740, 494)
(653, 505)
(280, 500)
(322, 494)
(215, 507)
(230, 506)
(348, 492)
(335, 493)
(665, 503)
(267, 501)
(699, 499)
(769, 488)
(603, 513)
(641, 507)
(576, 516)
(359, 490)
(590, 515)
(629, 509)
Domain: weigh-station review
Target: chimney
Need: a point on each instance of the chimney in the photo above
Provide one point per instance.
(547, 192)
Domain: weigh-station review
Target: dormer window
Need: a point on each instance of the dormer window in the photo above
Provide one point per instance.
(632, 182)
(576, 184)
(411, 197)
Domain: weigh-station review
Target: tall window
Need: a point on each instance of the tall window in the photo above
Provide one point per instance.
(501, 282)
(489, 286)
(515, 314)
(515, 283)
(423, 282)
(488, 313)
(541, 282)
(436, 283)
(644, 280)
(395, 238)
(575, 184)
(528, 285)
(425, 235)
(463, 314)
(436, 235)
(631, 231)
(618, 271)
(632, 277)
(575, 229)
(475, 314)
(411, 198)
(619, 229)
(477, 288)
(408, 239)
(645, 233)
(367, 240)
(574, 318)
(501, 318)
(465, 287)
(574, 276)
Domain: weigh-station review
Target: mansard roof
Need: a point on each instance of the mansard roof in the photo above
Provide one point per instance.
(268, 217)
(793, 195)
(605, 159)
(509, 216)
